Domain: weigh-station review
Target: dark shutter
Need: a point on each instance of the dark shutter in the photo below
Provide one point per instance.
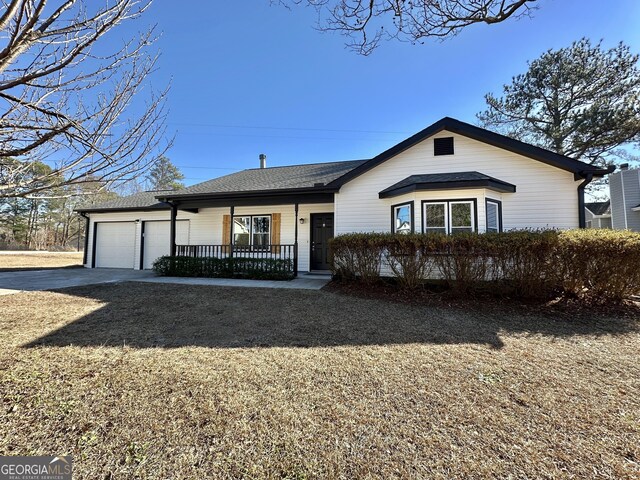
(443, 146)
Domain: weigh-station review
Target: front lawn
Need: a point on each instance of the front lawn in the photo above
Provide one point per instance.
(13, 261)
(173, 381)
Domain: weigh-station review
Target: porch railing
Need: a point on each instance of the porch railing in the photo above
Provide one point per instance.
(285, 255)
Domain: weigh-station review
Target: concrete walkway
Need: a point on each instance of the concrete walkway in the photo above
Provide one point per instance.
(14, 282)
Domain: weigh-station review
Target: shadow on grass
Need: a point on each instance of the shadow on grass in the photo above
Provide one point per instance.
(143, 315)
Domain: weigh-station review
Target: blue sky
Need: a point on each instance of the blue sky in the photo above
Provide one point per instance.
(250, 78)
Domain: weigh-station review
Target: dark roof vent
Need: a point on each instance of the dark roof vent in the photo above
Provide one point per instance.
(624, 166)
(318, 184)
(443, 146)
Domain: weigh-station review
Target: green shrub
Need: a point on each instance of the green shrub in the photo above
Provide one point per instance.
(594, 265)
(235, 267)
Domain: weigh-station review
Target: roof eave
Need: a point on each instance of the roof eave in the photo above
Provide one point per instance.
(121, 209)
(497, 186)
(596, 172)
(247, 193)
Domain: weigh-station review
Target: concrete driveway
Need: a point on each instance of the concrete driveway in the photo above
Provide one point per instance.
(14, 282)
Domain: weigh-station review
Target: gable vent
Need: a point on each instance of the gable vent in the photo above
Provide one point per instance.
(443, 146)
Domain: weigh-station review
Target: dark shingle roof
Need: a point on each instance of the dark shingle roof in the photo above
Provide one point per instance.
(137, 201)
(252, 180)
(436, 181)
(273, 178)
(598, 208)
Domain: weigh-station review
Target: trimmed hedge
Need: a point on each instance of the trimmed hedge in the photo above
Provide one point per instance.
(594, 265)
(236, 267)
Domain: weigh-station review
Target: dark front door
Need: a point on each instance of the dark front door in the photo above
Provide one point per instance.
(321, 233)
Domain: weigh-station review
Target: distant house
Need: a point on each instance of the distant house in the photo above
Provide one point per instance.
(450, 177)
(598, 214)
(624, 187)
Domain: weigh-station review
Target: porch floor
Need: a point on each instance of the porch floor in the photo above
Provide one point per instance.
(303, 282)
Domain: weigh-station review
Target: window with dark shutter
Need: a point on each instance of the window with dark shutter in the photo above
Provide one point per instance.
(443, 146)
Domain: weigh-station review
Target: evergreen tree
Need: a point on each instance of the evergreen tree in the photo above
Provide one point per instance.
(165, 176)
(581, 101)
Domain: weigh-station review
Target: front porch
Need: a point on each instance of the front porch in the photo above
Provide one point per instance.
(274, 236)
(270, 259)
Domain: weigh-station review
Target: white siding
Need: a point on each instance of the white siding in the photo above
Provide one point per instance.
(589, 218)
(205, 227)
(546, 197)
(624, 188)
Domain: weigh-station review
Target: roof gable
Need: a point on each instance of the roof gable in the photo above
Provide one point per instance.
(578, 168)
(598, 208)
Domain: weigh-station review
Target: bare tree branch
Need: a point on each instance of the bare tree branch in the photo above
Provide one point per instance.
(367, 22)
(66, 103)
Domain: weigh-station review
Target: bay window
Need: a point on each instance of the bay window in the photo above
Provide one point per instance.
(449, 216)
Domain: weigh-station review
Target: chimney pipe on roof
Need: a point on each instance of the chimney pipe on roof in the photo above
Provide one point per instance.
(624, 166)
(263, 160)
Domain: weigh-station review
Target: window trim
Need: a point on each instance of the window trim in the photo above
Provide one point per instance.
(487, 201)
(446, 214)
(448, 202)
(251, 247)
(393, 215)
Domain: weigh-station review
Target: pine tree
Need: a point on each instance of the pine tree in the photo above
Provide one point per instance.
(581, 101)
(165, 176)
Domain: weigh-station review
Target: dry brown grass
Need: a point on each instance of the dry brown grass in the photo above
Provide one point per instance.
(36, 260)
(166, 381)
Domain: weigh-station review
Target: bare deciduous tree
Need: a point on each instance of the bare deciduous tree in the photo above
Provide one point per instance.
(367, 22)
(68, 93)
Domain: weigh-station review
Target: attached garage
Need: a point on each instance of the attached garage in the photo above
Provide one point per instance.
(156, 239)
(114, 245)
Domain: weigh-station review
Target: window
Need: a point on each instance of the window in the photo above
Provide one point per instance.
(402, 218)
(252, 231)
(435, 218)
(494, 215)
(461, 217)
(449, 216)
(443, 146)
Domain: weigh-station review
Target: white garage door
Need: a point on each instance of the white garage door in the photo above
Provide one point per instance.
(115, 244)
(156, 239)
